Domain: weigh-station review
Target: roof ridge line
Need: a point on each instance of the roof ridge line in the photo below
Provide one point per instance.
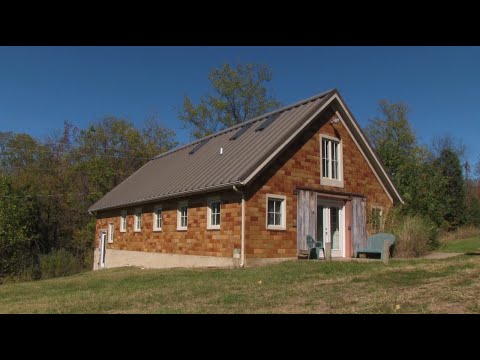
(288, 107)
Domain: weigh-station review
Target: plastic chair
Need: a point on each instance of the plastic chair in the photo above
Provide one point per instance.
(320, 246)
(317, 245)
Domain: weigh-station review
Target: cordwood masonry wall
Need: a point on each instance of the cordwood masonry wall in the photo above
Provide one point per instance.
(299, 165)
(196, 240)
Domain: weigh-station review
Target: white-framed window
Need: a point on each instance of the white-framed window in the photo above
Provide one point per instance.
(331, 163)
(213, 213)
(123, 221)
(276, 212)
(182, 215)
(376, 219)
(157, 218)
(138, 220)
(111, 227)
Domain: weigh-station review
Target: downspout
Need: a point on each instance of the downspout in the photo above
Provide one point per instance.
(242, 244)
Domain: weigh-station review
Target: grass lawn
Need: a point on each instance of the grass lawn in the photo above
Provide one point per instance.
(470, 245)
(404, 286)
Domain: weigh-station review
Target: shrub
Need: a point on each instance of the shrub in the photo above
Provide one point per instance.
(25, 274)
(59, 263)
(82, 244)
(415, 236)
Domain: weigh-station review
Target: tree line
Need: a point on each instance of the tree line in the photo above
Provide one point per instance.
(47, 185)
(435, 180)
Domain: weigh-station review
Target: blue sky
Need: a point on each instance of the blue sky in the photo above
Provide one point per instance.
(40, 87)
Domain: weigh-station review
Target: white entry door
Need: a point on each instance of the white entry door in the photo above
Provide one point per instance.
(330, 225)
(102, 245)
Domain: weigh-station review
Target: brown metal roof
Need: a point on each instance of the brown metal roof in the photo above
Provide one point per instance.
(177, 172)
(193, 168)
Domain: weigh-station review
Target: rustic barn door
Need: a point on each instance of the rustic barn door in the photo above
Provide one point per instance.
(359, 224)
(306, 219)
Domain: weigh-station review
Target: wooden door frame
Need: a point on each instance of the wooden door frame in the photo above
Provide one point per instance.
(341, 205)
(102, 246)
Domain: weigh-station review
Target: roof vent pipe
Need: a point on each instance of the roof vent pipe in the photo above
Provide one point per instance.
(221, 151)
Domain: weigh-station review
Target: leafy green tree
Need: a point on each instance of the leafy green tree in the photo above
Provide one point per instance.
(112, 149)
(106, 153)
(472, 210)
(452, 189)
(452, 143)
(17, 236)
(396, 143)
(429, 179)
(240, 94)
(54, 182)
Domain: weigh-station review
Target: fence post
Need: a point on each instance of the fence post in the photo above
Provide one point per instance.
(328, 251)
(386, 251)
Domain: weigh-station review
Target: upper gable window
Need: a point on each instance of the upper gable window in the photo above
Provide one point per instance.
(331, 169)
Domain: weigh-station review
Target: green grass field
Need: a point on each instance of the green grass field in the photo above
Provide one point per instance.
(404, 286)
(470, 245)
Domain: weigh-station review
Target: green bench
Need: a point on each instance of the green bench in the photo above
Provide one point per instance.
(375, 244)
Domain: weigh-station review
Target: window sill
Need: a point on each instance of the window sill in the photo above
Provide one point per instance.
(157, 230)
(213, 227)
(137, 230)
(331, 182)
(123, 231)
(276, 227)
(181, 229)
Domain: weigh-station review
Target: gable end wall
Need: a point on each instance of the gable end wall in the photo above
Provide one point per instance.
(299, 166)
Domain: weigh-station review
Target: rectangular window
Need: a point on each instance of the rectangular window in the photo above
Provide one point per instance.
(276, 212)
(157, 218)
(110, 232)
(331, 167)
(138, 220)
(123, 221)
(182, 216)
(213, 214)
(376, 220)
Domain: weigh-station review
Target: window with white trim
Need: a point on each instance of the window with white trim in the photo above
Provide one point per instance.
(110, 232)
(213, 214)
(182, 216)
(138, 220)
(376, 219)
(123, 221)
(331, 161)
(276, 212)
(157, 218)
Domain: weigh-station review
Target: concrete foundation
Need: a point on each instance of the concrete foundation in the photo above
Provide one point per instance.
(119, 258)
